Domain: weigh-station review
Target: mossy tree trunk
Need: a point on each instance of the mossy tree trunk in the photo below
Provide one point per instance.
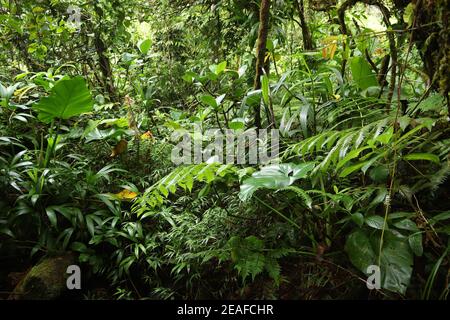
(261, 66)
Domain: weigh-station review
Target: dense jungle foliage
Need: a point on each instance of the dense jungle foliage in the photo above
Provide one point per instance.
(92, 92)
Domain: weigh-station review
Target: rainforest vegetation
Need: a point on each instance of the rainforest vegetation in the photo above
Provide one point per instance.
(94, 92)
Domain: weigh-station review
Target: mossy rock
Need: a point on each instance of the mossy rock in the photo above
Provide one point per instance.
(46, 280)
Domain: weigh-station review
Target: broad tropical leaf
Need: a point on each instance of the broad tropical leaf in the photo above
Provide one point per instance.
(68, 98)
(362, 73)
(396, 257)
(274, 177)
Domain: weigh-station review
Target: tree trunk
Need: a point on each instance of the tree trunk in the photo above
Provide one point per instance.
(432, 38)
(261, 52)
(103, 59)
(306, 33)
(105, 67)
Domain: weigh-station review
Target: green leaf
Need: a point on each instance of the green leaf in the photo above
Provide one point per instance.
(386, 136)
(38, 10)
(406, 224)
(144, 46)
(51, 216)
(379, 173)
(253, 98)
(6, 231)
(404, 122)
(358, 218)
(305, 115)
(300, 171)
(3, 91)
(68, 98)
(90, 225)
(351, 155)
(376, 222)
(433, 103)
(415, 242)
(362, 73)
(79, 247)
(7, 92)
(273, 269)
(360, 250)
(396, 258)
(401, 214)
(66, 235)
(302, 194)
(217, 69)
(274, 177)
(209, 76)
(189, 76)
(209, 100)
(265, 88)
(247, 255)
(349, 170)
(237, 124)
(379, 198)
(221, 67)
(422, 156)
(396, 263)
(408, 14)
(441, 216)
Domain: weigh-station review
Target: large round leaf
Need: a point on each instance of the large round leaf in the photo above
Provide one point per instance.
(396, 257)
(68, 98)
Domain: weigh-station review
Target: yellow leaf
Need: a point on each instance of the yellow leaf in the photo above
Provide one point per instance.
(333, 48)
(126, 195)
(379, 52)
(330, 48)
(120, 148)
(324, 52)
(22, 91)
(330, 39)
(147, 135)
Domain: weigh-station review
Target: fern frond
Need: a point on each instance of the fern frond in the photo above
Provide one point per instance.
(366, 145)
(434, 180)
(301, 193)
(182, 177)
